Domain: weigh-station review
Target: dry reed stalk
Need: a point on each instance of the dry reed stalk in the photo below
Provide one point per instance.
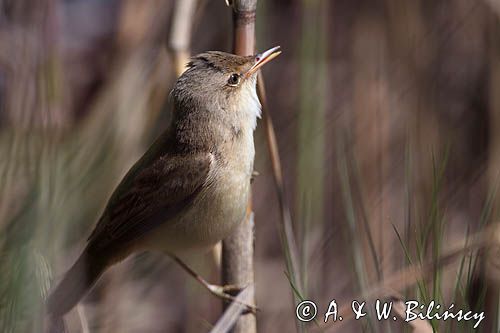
(288, 236)
(180, 33)
(237, 250)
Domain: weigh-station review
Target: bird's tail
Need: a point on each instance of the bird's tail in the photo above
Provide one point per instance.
(75, 284)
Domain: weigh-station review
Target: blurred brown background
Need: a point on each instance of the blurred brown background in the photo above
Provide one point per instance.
(386, 115)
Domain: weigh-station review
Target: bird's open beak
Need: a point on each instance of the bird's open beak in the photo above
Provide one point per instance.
(263, 58)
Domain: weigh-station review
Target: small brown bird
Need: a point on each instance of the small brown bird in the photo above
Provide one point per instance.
(190, 189)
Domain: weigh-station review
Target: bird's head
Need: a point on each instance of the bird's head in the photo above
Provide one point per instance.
(221, 83)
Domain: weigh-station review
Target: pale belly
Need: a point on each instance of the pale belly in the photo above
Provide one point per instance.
(212, 216)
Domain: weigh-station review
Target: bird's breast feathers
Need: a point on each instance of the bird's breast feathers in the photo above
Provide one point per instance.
(217, 209)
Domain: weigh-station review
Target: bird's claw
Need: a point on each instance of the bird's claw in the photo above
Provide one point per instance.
(225, 292)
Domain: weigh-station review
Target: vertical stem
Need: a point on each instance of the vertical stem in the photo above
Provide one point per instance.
(237, 250)
(180, 33)
(244, 27)
(311, 127)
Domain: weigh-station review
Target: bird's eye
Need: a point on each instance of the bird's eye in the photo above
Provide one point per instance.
(234, 79)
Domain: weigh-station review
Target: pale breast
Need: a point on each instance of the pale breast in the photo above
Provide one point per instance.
(218, 208)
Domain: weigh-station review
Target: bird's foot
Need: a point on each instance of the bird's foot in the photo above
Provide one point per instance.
(227, 293)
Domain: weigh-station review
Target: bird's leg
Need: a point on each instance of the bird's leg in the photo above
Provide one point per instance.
(222, 292)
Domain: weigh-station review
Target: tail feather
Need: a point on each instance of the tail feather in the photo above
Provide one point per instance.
(75, 284)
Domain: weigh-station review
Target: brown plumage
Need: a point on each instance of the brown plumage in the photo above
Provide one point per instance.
(189, 190)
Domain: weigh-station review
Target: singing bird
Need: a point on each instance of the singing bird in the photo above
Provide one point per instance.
(190, 189)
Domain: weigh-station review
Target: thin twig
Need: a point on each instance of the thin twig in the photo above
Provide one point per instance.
(286, 220)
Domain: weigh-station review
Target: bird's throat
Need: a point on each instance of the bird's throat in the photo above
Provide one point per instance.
(211, 125)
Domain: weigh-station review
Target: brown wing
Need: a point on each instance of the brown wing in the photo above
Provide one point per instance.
(152, 196)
